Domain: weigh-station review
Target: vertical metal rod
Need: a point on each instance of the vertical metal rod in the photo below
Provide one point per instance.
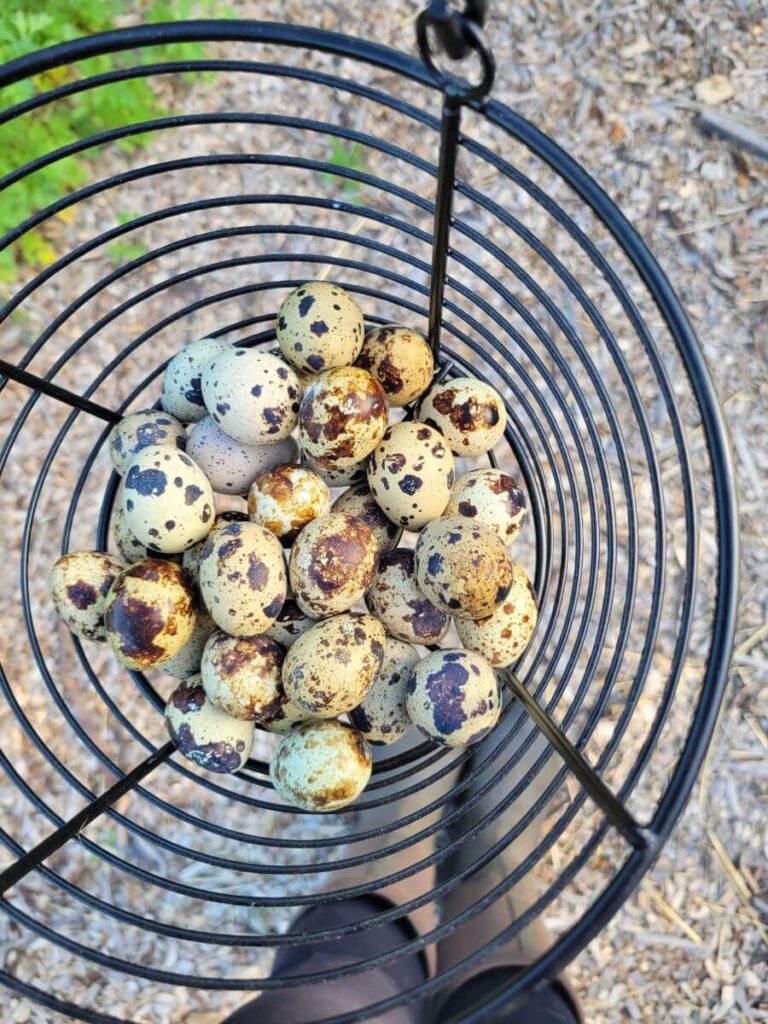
(446, 182)
(46, 387)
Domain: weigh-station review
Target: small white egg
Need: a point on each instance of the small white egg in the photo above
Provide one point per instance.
(182, 393)
(332, 564)
(401, 361)
(319, 326)
(453, 697)
(342, 417)
(321, 766)
(382, 716)
(358, 501)
(204, 733)
(492, 498)
(148, 429)
(503, 635)
(286, 498)
(242, 675)
(411, 474)
(80, 582)
(468, 412)
(396, 600)
(231, 466)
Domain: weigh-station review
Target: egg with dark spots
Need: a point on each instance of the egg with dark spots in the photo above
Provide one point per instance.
(490, 497)
(182, 394)
(396, 600)
(286, 498)
(503, 636)
(401, 361)
(338, 477)
(128, 545)
(150, 613)
(453, 697)
(321, 766)
(285, 717)
(242, 675)
(230, 465)
(191, 557)
(80, 582)
(468, 412)
(331, 667)
(140, 430)
(185, 663)
(289, 624)
(319, 327)
(204, 733)
(463, 567)
(342, 417)
(253, 396)
(358, 501)
(410, 474)
(382, 716)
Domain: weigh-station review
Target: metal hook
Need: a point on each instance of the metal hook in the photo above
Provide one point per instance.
(459, 34)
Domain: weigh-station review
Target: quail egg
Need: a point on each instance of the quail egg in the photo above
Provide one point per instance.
(130, 547)
(148, 429)
(492, 498)
(345, 477)
(241, 675)
(191, 557)
(204, 733)
(285, 498)
(253, 396)
(242, 578)
(382, 716)
(396, 601)
(331, 667)
(503, 635)
(401, 361)
(453, 697)
(186, 663)
(319, 326)
(468, 412)
(332, 564)
(167, 500)
(411, 474)
(321, 766)
(231, 466)
(150, 613)
(358, 501)
(182, 393)
(285, 717)
(80, 582)
(342, 417)
(289, 624)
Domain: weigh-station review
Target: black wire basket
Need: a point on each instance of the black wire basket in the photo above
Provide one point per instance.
(460, 218)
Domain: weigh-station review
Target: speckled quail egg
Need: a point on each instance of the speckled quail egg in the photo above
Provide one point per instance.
(331, 667)
(182, 393)
(397, 602)
(468, 412)
(167, 500)
(285, 498)
(382, 716)
(319, 326)
(242, 675)
(80, 582)
(289, 624)
(321, 766)
(242, 578)
(253, 396)
(463, 566)
(130, 547)
(453, 697)
(344, 477)
(285, 717)
(150, 613)
(332, 564)
(342, 417)
(204, 733)
(492, 498)
(231, 466)
(358, 501)
(186, 663)
(191, 557)
(148, 429)
(411, 474)
(503, 635)
(401, 361)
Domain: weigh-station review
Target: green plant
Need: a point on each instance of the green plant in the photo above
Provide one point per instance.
(349, 155)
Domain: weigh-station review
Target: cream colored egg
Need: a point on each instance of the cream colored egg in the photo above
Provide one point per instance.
(80, 582)
(253, 396)
(286, 498)
(411, 473)
(182, 393)
(167, 500)
(397, 602)
(319, 326)
(342, 417)
(186, 663)
(130, 547)
(150, 613)
(231, 466)
(346, 477)
(358, 501)
(382, 716)
(468, 412)
(285, 717)
(242, 578)
(289, 624)
(242, 675)
(204, 733)
(490, 497)
(503, 635)
(191, 557)
(331, 667)
(453, 697)
(401, 361)
(148, 429)
(332, 564)
(463, 566)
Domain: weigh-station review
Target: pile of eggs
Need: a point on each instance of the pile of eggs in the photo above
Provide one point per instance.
(257, 611)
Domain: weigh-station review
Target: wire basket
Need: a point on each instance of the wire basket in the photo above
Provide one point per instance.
(452, 213)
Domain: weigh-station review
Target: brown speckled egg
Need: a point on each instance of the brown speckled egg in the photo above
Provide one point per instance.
(285, 717)
(204, 733)
(191, 557)
(231, 466)
(286, 498)
(453, 697)
(241, 675)
(358, 501)
(167, 500)
(182, 393)
(319, 326)
(148, 429)
(150, 613)
(331, 667)
(492, 498)
(289, 624)
(469, 413)
(345, 477)
(382, 716)
(342, 417)
(463, 566)
(411, 474)
(397, 602)
(186, 663)
(321, 766)
(130, 547)
(503, 636)
(333, 561)
(80, 582)
(401, 361)
(253, 396)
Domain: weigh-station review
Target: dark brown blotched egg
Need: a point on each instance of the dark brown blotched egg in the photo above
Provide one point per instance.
(204, 733)
(342, 417)
(80, 582)
(396, 600)
(469, 413)
(321, 766)
(502, 636)
(490, 497)
(411, 473)
(358, 501)
(453, 697)
(242, 675)
(401, 361)
(382, 716)
(319, 326)
(287, 497)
